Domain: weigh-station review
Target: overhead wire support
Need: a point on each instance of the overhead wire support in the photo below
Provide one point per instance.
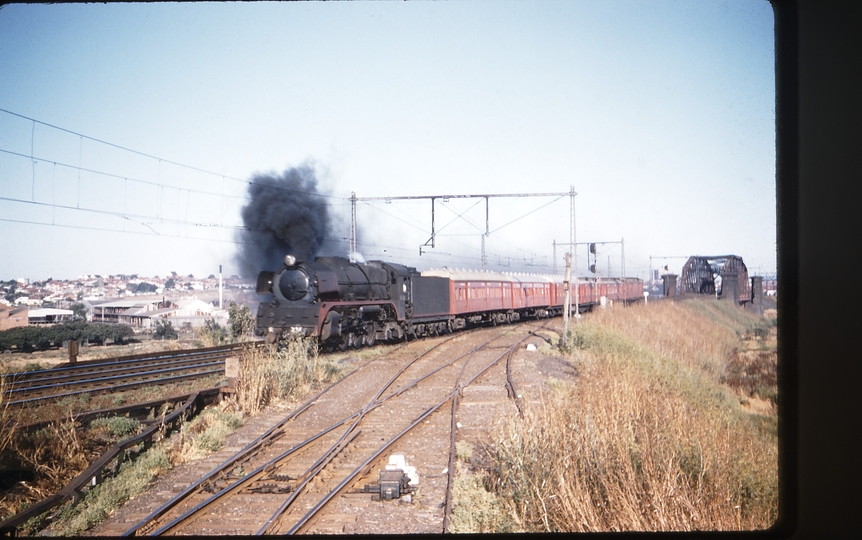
(433, 239)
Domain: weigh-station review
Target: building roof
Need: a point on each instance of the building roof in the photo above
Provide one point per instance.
(45, 312)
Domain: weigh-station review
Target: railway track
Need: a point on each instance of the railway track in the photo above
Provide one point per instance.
(114, 374)
(299, 476)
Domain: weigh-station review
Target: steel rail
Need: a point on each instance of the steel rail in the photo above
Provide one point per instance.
(114, 388)
(66, 378)
(129, 410)
(240, 483)
(100, 380)
(450, 466)
(86, 364)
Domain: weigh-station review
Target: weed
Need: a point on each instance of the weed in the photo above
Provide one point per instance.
(463, 451)
(477, 510)
(32, 366)
(116, 426)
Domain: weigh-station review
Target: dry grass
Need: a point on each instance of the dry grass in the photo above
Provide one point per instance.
(7, 425)
(647, 438)
(285, 372)
(55, 454)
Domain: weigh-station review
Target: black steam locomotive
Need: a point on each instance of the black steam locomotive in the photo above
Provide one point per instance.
(343, 303)
(350, 304)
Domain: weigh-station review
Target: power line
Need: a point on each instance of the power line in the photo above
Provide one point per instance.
(150, 156)
(79, 168)
(102, 229)
(525, 215)
(124, 215)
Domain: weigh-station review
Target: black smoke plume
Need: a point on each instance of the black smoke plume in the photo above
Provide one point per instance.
(285, 215)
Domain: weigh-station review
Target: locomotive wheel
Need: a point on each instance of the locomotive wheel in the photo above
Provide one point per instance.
(356, 341)
(369, 339)
(344, 343)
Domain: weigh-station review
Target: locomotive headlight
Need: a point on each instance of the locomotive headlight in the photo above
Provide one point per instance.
(289, 260)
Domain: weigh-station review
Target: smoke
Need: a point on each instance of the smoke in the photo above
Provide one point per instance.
(285, 215)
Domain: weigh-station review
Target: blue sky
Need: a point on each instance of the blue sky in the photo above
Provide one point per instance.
(660, 114)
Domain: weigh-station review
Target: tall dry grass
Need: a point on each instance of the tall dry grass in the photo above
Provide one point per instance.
(283, 372)
(646, 437)
(7, 424)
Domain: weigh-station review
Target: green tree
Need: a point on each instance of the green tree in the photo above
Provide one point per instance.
(79, 309)
(144, 287)
(212, 334)
(10, 291)
(164, 329)
(170, 283)
(241, 321)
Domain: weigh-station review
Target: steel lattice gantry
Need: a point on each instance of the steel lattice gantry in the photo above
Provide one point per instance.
(700, 272)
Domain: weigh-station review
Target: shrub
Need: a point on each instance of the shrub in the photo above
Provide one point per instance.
(164, 329)
(211, 334)
(241, 322)
(33, 338)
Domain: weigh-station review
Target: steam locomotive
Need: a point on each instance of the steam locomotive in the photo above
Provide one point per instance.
(353, 304)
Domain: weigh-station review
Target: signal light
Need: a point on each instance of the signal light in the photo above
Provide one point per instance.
(593, 267)
(593, 248)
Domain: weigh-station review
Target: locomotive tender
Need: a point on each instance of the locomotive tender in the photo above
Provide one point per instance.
(349, 304)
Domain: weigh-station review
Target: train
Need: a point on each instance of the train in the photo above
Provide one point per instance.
(346, 303)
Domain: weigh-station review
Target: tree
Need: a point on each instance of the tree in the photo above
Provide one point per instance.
(164, 329)
(144, 287)
(212, 334)
(10, 292)
(170, 283)
(79, 309)
(241, 321)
